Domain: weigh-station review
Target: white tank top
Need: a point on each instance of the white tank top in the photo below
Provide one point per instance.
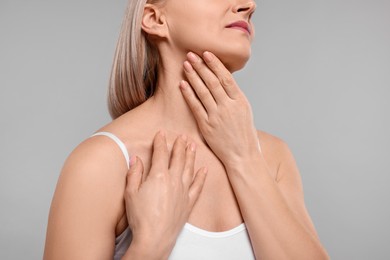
(194, 243)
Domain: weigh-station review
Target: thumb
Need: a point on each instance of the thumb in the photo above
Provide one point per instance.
(134, 175)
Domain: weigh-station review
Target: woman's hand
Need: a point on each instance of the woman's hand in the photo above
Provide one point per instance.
(158, 207)
(222, 111)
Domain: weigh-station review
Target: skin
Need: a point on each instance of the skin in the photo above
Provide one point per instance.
(97, 197)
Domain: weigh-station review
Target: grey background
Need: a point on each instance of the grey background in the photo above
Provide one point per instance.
(318, 78)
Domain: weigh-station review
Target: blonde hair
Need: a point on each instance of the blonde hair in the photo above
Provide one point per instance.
(134, 69)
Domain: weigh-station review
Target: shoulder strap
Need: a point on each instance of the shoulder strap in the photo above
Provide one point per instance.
(118, 142)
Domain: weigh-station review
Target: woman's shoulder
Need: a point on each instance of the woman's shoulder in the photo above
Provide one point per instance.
(274, 148)
(99, 158)
(88, 200)
(97, 162)
(100, 149)
(270, 141)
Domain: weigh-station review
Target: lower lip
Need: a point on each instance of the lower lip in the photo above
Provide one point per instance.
(239, 28)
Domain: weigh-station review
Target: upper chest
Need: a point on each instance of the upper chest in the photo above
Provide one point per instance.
(216, 208)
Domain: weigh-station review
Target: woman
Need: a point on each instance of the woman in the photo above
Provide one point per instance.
(171, 95)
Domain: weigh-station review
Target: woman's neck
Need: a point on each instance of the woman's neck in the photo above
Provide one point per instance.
(167, 105)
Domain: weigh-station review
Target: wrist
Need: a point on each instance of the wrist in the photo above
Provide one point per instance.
(147, 249)
(248, 152)
(243, 161)
(248, 170)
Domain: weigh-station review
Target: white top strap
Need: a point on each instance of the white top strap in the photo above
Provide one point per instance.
(119, 143)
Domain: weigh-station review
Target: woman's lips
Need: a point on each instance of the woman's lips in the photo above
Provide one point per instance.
(240, 25)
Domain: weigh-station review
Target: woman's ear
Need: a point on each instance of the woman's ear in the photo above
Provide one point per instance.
(153, 21)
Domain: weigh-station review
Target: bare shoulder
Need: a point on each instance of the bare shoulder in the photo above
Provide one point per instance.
(87, 203)
(97, 158)
(269, 141)
(276, 152)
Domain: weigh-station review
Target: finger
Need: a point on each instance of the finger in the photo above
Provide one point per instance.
(176, 165)
(193, 102)
(160, 157)
(200, 88)
(134, 175)
(188, 173)
(197, 186)
(223, 74)
(210, 79)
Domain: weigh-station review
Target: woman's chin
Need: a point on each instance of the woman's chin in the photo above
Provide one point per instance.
(236, 66)
(234, 62)
(234, 57)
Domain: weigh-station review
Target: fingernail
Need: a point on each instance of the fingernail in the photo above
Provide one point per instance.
(193, 147)
(207, 56)
(183, 84)
(162, 133)
(192, 57)
(133, 160)
(187, 66)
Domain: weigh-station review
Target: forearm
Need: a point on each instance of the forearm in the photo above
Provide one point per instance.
(275, 231)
